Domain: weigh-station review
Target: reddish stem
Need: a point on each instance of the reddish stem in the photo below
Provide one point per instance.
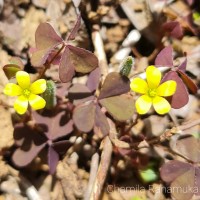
(47, 64)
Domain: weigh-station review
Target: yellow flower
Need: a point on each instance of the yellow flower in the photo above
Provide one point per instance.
(26, 92)
(153, 92)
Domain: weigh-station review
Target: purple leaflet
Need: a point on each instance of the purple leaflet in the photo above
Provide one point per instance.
(183, 147)
(101, 121)
(174, 28)
(87, 116)
(114, 106)
(183, 176)
(182, 66)
(187, 80)
(53, 159)
(114, 85)
(94, 79)
(54, 150)
(172, 169)
(46, 37)
(56, 127)
(84, 116)
(83, 60)
(66, 67)
(46, 40)
(181, 97)
(165, 57)
(30, 143)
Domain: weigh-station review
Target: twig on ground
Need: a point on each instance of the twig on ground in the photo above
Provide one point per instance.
(102, 170)
(93, 173)
(30, 190)
(99, 49)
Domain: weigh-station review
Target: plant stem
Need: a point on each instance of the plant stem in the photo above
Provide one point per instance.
(136, 53)
(189, 125)
(132, 124)
(174, 119)
(166, 135)
(47, 64)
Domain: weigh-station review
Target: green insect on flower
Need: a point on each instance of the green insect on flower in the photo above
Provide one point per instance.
(153, 92)
(27, 92)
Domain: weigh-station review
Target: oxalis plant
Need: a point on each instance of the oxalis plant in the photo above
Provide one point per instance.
(50, 112)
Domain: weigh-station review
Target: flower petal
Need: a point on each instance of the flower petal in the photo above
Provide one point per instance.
(143, 104)
(167, 88)
(161, 105)
(153, 76)
(23, 79)
(21, 105)
(139, 85)
(12, 89)
(38, 86)
(36, 102)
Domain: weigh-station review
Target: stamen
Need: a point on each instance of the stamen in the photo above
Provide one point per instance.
(152, 92)
(26, 93)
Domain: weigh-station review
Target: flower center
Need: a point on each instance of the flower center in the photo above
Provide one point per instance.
(26, 93)
(152, 92)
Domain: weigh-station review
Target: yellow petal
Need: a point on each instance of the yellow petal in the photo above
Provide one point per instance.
(139, 85)
(161, 105)
(38, 86)
(21, 104)
(167, 88)
(153, 77)
(36, 102)
(143, 104)
(12, 89)
(23, 79)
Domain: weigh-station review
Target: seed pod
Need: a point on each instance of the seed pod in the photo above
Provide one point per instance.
(126, 65)
(50, 95)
